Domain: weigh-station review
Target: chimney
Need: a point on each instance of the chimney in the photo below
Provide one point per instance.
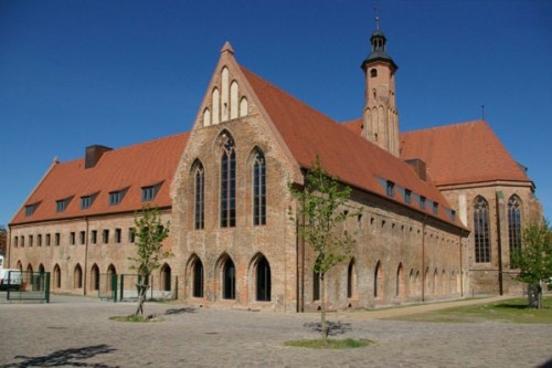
(93, 153)
(419, 167)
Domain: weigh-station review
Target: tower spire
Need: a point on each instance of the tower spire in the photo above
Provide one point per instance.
(380, 117)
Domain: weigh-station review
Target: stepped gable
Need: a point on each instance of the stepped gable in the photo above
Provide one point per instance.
(131, 167)
(462, 153)
(344, 154)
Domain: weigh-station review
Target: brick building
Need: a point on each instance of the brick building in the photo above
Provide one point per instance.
(441, 208)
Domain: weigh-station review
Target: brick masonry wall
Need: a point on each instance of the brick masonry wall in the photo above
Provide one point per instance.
(484, 277)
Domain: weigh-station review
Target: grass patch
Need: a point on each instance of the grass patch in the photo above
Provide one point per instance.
(331, 344)
(134, 318)
(510, 311)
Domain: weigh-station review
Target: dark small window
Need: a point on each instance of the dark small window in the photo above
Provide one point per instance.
(82, 237)
(115, 197)
(131, 235)
(30, 240)
(61, 205)
(390, 188)
(452, 214)
(94, 236)
(48, 240)
(86, 202)
(148, 193)
(435, 208)
(58, 238)
(373, 73)
(72, 238)
(30, 209)
(117, 235)
(105, 236)
(39, 240)
(16, 241)
(22, 240)
(422, 202)
(407, 196)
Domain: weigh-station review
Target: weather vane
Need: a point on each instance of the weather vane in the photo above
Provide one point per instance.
(377, 15)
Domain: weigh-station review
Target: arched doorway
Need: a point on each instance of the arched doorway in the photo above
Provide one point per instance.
(95, 277)
(111, 277)
(197, 278)
(263, 279)
(57, 277)
(399, 281)
(351, 279)
(77, 277)
(228, 279)
(165, 277)
(378, 281)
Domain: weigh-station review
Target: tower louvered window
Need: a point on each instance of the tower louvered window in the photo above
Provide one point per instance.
(514, 228)
(199, 207)
(259, 189)
(228, 183)
(481, 230)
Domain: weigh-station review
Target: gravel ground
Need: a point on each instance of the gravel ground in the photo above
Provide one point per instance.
(76, 331)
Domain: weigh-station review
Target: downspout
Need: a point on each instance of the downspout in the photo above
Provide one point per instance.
(423, 258)
(8, 248)
(461, 267)
(85, 279)
(300, 248)
(499, 239)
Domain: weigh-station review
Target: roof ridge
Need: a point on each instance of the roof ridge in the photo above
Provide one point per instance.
(448, 125)
(132, 145)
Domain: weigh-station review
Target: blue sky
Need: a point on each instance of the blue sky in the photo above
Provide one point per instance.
(75, 73)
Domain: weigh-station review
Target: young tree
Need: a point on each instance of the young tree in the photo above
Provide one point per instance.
(150, 233)
(322, 210)
(535, 260)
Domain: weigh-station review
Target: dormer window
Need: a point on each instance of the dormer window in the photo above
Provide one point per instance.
(116, 197)
(407, 196)
(86, 202)
(435, 208)
(422, 202)
(30, 209)
(149, 192)
(61, 204)
(390, 188)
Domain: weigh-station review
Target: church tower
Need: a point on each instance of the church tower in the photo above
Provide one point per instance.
(380, 117)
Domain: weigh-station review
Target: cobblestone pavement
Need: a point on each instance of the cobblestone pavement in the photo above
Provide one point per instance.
(77, 332)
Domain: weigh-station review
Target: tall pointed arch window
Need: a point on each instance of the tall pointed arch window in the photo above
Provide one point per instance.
(259, 189)
(228, 182)
(481, 230)
(514, 228)
(199, 197)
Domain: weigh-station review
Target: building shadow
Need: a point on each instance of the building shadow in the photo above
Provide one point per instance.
(67, 358)
(180, 310)
(334, 328)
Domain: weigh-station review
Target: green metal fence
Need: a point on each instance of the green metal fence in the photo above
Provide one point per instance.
(27, 286)
(123, 287)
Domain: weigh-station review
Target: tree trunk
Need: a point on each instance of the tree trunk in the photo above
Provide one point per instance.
(534, 295)
(323, 322)
(142, 289)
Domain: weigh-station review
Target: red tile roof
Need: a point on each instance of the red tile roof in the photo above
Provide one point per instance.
(462, 153)
(343, 154)
(131, 167)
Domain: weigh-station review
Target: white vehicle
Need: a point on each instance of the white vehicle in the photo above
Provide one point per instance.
(14, 281)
